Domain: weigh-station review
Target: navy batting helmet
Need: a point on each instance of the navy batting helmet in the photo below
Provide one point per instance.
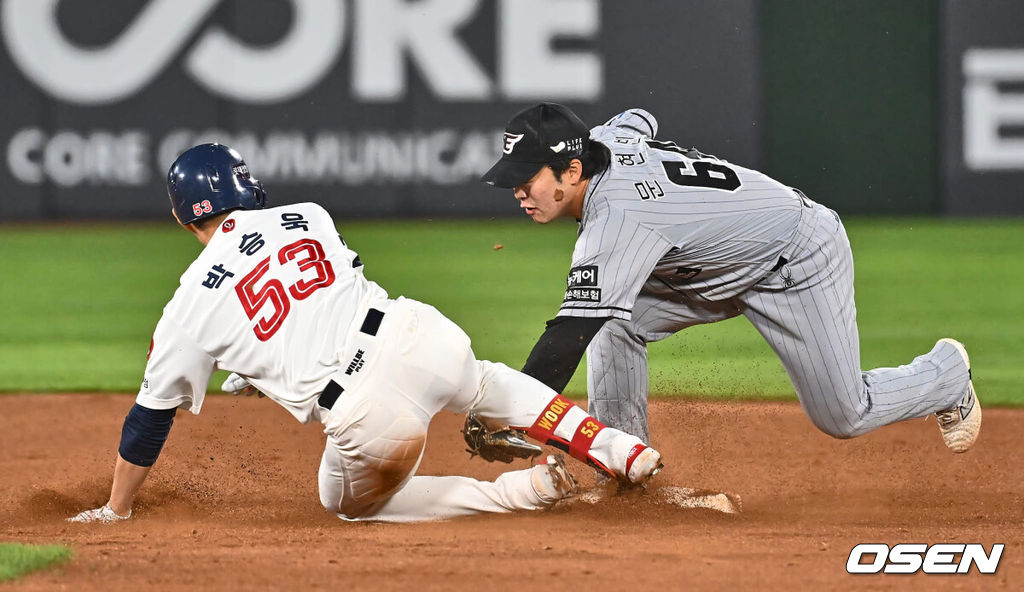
(209, 179)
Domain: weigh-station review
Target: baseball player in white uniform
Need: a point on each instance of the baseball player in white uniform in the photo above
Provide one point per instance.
(670, 238)
(278, 298)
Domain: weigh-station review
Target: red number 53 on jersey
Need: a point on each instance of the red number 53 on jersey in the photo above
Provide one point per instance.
(253, 299)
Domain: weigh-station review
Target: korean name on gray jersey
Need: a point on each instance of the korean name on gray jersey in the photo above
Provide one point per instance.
(670, 219)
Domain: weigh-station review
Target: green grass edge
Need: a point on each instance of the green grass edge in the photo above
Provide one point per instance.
(19, 559)
(86, 298)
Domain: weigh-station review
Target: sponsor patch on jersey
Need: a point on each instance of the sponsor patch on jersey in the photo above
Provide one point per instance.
(228, 225)
(582, 295)
(582, 276)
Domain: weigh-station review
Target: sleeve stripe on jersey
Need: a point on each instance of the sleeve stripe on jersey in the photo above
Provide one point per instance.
(647, 121)
(596, 308)
(635, 129)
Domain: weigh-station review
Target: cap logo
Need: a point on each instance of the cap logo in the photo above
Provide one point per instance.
(510, 142)
(572, 145)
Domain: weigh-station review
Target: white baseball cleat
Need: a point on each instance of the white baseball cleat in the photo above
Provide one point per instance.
(961, 425)
(552, 480)
(103, 515)
(646, 465)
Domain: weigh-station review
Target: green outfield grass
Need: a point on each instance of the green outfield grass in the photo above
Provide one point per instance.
(79, 302)
(17, 560)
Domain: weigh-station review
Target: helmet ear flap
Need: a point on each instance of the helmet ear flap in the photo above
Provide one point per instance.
(259, 194)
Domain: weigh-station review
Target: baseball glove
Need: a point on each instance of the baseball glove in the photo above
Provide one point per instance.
(503, 445)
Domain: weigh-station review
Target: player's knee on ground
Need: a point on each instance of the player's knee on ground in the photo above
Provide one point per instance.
(355, 481)
(370, 488)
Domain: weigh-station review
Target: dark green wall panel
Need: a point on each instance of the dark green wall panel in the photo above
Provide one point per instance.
(850, 107)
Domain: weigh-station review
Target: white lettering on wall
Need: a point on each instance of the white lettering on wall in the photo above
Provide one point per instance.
(987, 109)
(70, 159)
(389, 39)
(529, 66)
(276, 73)
(386, 30)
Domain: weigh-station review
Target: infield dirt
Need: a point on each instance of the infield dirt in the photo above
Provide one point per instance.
(233, 504)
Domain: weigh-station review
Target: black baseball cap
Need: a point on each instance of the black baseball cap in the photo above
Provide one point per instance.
(536, 137)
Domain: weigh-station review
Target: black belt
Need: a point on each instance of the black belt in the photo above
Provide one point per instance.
(372, 322)
(331, 393)
(782, 261)
(333, 390)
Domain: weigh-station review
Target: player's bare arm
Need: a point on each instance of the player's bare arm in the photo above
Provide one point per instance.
(143, 436)
(128, 479)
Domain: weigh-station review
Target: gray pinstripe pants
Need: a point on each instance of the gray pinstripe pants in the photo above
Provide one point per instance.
(806, 312)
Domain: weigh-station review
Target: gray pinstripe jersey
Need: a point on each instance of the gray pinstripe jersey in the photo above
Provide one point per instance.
(672, 238)
(667, 219)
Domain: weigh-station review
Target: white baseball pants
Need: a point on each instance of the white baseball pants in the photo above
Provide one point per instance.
(419, 363)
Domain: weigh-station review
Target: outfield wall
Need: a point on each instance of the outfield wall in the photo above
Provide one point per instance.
(982, 107)
(850, 97)
(394, 107)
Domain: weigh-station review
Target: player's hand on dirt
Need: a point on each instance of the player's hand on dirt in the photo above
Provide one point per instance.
(239, 386)
(102, 514)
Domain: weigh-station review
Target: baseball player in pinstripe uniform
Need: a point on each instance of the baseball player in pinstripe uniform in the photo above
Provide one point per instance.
(670, 238)
(280, 300)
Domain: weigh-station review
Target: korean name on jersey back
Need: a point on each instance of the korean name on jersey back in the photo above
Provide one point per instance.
(581, 285)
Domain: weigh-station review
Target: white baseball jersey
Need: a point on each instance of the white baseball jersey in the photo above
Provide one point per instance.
(277, 297)
(272, 297)
(668, 219)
